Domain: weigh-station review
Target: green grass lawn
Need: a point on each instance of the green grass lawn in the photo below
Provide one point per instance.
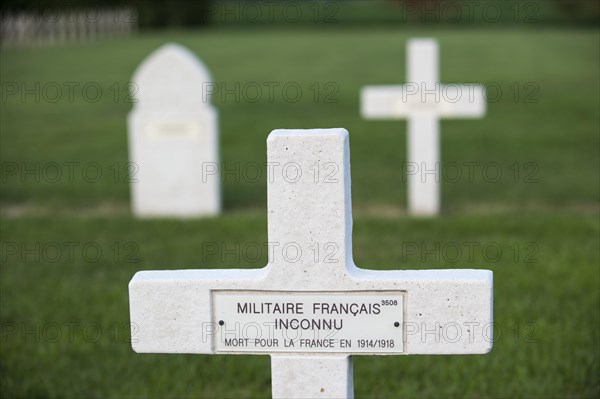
(542, 214)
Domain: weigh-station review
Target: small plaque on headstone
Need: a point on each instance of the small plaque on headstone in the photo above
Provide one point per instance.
(174, 129)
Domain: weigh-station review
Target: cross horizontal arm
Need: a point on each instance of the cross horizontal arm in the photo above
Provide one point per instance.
(445, 311)
(413, 99)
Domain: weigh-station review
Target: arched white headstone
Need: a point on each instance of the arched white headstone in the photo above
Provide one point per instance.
(173, 137)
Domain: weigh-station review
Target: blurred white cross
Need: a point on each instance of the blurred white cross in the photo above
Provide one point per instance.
(423, 101)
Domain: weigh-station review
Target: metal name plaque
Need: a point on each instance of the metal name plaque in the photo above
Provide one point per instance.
(174, 129)
(360, 322)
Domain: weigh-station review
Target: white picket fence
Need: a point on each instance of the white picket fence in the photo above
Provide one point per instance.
(44, 27)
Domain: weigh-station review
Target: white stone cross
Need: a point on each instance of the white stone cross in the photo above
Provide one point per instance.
(173, 137)
(311, 308)
(423, 101)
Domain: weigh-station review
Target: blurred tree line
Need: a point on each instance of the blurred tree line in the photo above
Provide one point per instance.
(153, 14)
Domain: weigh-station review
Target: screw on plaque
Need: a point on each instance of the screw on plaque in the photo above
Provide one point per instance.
(221, 322)
(396, 324)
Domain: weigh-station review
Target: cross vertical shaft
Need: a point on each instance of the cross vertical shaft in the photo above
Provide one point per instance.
(310, 182)
(423, 130)
(309, 204)
(312, 376)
